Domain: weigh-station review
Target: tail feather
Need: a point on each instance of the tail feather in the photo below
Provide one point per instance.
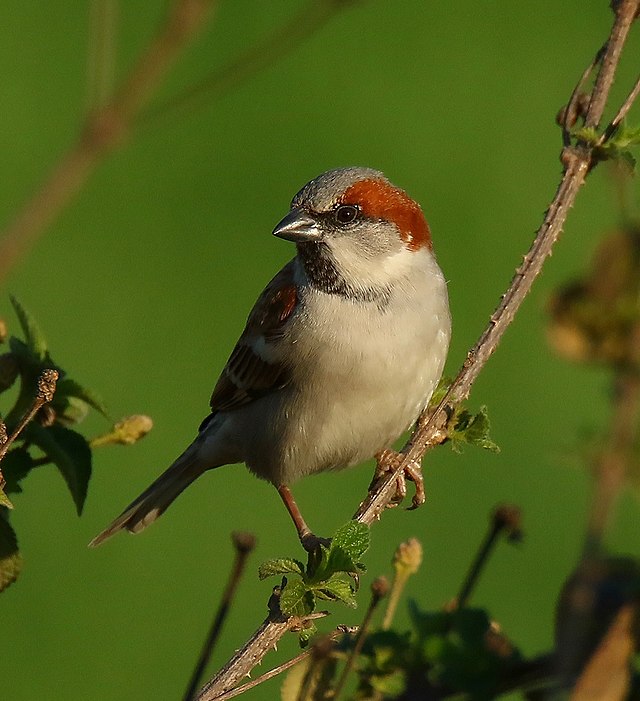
(156, 499)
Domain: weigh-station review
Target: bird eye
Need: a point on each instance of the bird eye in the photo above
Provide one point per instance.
(346, 213)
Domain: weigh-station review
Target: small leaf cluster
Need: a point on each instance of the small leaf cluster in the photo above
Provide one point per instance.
(472, 429)
(50, 438)
(331, 574)
(463, 426)
(616, 147)
(445, 654)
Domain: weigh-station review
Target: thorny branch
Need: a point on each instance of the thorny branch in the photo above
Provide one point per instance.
(430, 430)
(253, 651)
(336, 634)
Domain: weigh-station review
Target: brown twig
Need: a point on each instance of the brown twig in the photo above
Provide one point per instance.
(244, 543)
(264, 677)
(577, 162)
(625, 12)
(253, 651)
(103, 131)
(570, 112)
(333, 636)
(3, 439)
(504, 518)
(46, 390)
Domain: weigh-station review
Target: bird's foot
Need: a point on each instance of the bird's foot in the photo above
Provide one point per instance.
(388, 462)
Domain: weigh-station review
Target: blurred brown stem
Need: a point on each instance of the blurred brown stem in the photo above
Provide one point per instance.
(480, 560)
(312, 16)
(104, 130)
(244, 544)
(611, 467)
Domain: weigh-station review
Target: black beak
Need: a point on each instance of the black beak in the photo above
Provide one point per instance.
(298, 227)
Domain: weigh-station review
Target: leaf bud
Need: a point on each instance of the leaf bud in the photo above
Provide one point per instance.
(408, 556)
(126, 432)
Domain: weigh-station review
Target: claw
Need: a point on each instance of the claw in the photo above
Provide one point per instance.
(388, 461)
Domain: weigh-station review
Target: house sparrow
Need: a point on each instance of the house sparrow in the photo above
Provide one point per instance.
(340, 353)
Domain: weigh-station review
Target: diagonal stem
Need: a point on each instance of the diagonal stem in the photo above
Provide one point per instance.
(244, 543)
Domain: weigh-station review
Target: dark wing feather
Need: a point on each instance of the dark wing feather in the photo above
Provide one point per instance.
(247, 376)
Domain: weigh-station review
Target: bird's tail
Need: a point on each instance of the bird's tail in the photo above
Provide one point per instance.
(157, 498)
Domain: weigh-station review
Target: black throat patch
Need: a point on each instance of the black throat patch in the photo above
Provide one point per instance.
(324, 275)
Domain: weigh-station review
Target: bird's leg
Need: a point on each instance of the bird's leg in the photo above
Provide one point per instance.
(387, 462)
(309, 541)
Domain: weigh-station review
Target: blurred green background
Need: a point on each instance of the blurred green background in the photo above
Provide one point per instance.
(144, 283)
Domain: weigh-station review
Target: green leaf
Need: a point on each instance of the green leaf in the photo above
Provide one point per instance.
(15, 467)
(352, 538)
(70, 452)
(629, 160)
(347, 545)
(283, 565)
(389, 685)
(627, 136)
(294, 680)
(587, 134)
(24, 356)
(36, 341)
(336, 587)
(4, 500)
(305, 635)
(70, 388)
(10, 558)
(296, 599)
(428, 623)
(472, 429)
(69, 410)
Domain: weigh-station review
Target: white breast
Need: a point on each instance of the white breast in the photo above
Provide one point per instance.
(361, 376)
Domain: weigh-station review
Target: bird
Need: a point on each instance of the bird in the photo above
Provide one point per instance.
(340, 353)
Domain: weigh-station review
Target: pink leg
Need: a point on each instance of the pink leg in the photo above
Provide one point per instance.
(309, 541)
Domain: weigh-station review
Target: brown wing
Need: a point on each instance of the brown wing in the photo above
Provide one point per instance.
(247, 375)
